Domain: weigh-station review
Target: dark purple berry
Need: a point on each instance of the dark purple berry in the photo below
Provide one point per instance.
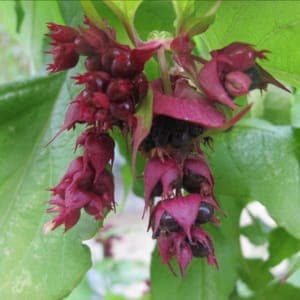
(122, 110)
(180, 136)
(168, 224)
(148, 144)
(157, 191)
(192, 182)
(195, 130)
(122, 66)
(108, 57)
(140, 84)
(93, 63)
(255, 76)
(205, 213)
(199, 250)
(82, 47)
(119, 90)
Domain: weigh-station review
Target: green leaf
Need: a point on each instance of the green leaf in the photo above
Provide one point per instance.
(295, 111)
(189, 21)
(265, 25)
(183, 9)
(127, 8)
(281, 245)
(277, 291)
(20, 14)
(203, 281)
(257, 232)
(31, 36)
(33, 265)
(258, 161)
(99, 11)
(255, 274)
(71, 12)
(91, 12)
(201, 23)
(81, 291)
(143, 125)
(125, 11)
(153, 16)
(293, 272)
(275, 105)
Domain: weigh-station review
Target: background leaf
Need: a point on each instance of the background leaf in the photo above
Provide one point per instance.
(31, 36)
(260, 159)
(20, 14)
(32, 265)
(71, 12)
(282, 245)
(267, 25)
(153, 17)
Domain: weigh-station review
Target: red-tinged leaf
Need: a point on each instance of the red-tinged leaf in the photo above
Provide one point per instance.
(143, 53)
(143, 122)
(191, 107)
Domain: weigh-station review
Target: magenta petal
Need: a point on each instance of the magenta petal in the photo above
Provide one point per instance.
(71, 218)
(241, 55)
(66, 216)
(78, 198)
(183, 45)
(62, 33)
(209, 81)
(184, 255)
(98, 150)
(155, 217)
(197, 110)
(166, 249)
(104, 187)
(199, 166)
(184, 210)
(155, 171)
(200, 235)
(96, 38)
(140, 55)
(95, 208)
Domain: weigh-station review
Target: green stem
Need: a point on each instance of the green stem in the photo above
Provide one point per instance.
(131, 32)
(164, 71)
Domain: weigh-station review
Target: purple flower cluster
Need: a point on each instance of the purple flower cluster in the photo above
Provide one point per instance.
(114, 84)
